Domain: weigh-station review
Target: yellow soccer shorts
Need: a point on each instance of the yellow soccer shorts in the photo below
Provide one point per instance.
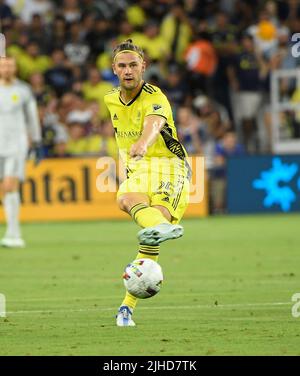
(168, 190)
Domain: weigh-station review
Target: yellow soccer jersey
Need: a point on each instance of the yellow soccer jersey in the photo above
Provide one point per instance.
(128, 122)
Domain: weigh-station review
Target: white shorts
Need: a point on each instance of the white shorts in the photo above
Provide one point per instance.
(12, 166)
(248, 104)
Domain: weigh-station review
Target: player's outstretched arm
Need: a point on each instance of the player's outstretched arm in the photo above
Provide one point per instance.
(153, 124)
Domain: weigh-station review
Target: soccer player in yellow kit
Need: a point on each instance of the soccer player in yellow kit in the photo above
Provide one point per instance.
(156, 190)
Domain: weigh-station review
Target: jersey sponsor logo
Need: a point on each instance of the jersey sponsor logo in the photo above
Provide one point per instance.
(156, 107)
(115, 117)
(128, 134)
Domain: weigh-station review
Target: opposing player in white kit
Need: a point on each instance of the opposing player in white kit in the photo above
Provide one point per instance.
(18, 122)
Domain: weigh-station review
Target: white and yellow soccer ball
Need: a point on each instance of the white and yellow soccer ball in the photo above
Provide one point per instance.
(143, 278)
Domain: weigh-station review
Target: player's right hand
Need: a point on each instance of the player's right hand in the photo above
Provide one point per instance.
(138, 150)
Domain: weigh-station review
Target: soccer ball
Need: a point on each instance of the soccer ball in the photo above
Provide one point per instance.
(143, 278)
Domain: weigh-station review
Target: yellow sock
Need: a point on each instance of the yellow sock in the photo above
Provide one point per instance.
(145, 251)
(148, 251)
(146, 216)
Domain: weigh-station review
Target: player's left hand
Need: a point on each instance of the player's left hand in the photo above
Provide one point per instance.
(36, 153)
(138, 150)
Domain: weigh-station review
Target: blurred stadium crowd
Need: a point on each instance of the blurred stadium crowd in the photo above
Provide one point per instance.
(213, 59)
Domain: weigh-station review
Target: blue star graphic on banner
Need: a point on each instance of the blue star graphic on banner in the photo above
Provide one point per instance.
(271, 181)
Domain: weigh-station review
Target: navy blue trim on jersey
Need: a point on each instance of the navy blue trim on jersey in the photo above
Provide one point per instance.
(132, 100)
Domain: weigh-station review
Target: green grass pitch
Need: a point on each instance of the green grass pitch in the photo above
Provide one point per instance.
(227, 290)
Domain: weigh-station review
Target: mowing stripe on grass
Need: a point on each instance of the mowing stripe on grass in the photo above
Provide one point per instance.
(198, 306)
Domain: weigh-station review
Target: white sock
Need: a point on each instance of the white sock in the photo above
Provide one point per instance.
(11, 203)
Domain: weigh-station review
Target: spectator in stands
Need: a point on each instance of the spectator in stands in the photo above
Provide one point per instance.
(98, 36)
(245, 82)
(213, 123)
(295, 115)
(214, 116)
(283, 59)
(37, 32)
(81, 111)
(57, 34)
(15, 43)
(41, 7)
(54, 134)
(264, 34)
(87, 24)
(83, 142)
(77, 142)
(136, 15)
(201, 60)
(194, 11)
(6, 14)
(176, 31)
(31, 61)
(19, 27)
(175, 87)
(103, 63)
(224, 38)
(60, 75)
(66, 104)
(76, 49)
(95, 88)
(71, 11)
(187, 125)
(78, 72)
(41, 92)
(223, 35)
(244, 15)
(155, 13)
(77, 87)
(127, 31)
(227, 147)
(154, 44)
